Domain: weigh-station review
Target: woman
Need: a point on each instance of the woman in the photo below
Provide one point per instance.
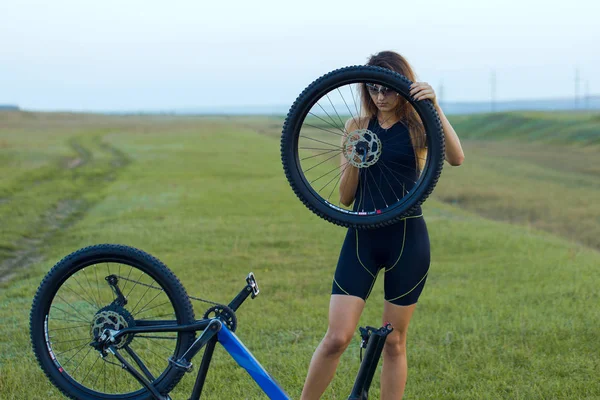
(402, 249)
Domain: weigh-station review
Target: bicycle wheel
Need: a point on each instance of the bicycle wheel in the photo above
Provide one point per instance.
(80, 297)
(328, 130)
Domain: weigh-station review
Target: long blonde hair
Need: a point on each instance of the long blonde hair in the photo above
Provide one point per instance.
(405, 112)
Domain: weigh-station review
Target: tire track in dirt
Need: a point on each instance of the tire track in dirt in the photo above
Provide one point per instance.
(83, 157)
(64, 212)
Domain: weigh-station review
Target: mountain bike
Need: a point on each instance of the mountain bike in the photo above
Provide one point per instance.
(113, 322)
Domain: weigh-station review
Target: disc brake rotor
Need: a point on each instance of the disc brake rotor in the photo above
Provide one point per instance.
(362, 148)
(114, 318)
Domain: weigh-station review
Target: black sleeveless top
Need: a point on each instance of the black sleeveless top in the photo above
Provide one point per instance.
(393, 175)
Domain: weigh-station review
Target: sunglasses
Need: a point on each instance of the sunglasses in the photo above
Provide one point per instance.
(376, 89)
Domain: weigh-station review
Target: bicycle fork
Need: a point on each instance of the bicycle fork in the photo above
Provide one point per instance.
(373, 340)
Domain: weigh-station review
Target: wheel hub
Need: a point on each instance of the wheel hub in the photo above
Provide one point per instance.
(115, 318)
(362, 148)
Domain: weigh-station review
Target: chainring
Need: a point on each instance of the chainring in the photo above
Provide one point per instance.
(225, 314)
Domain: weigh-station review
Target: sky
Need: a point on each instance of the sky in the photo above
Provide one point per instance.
(167, 55)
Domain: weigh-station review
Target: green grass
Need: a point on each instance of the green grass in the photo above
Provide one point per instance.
(508, 312)
(536, 169)
(578, 129)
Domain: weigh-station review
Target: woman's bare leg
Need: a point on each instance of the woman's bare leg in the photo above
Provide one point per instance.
(344, 314)
(394, 371)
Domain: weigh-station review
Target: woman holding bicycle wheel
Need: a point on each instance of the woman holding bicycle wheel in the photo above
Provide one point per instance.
(401, 250)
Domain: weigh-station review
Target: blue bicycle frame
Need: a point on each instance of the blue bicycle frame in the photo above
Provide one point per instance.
(246, 360)
(215, 330)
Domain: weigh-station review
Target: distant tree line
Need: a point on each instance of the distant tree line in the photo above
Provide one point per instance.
(9, 107)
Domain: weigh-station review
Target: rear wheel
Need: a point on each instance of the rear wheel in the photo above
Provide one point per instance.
(82, 296)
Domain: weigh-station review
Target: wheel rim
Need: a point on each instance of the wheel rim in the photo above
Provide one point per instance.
(84, 305)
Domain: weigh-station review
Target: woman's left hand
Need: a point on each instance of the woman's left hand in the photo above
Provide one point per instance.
(421, 91)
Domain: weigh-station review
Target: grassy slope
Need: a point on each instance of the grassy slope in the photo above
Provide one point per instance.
(508, 312)
(535, 169)
(574, 128)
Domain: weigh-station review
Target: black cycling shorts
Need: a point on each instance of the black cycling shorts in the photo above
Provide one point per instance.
(401, 250)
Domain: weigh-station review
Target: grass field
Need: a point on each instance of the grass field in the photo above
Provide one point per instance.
(510, 311)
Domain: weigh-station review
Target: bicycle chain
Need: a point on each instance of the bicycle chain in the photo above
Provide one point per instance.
(161, 289)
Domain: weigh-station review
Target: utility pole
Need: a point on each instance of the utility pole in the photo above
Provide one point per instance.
(493, 89)
(576, 87)
(587, 95)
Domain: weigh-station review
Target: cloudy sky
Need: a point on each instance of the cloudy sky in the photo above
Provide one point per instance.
(156, 55)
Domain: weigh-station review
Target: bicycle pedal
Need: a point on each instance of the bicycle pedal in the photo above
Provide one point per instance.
(181, 364)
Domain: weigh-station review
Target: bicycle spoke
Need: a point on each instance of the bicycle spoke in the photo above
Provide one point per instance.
(323, 129)
(316, 148)
(334, 109)
(71, 327)
(327, 122)
(350, 112)
(413, 167)
(78, 365)
(392, 172)
(356, 108)
(66, 320)
(97, 284)
(338, 181)
(84, 291)
(99, 373)
(322, 162)
(327, 173)
(135, 284)
(320, 141)
(78, 295)
(369, 189)
(126, 279)
(87, 339)
(151, 308)
(71, 349)
(330, 118)
(134, 308)
(403, 154)
(320, 154)
(169, 350)
(90, 369)
(156, 316)
(90, 286)
(388, 182)
(148, 303)
(378, 188)
(82, 319)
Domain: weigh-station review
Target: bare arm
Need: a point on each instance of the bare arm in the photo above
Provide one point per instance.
(349, 179)
(454, 151)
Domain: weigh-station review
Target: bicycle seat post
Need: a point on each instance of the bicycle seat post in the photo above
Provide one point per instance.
(373, 339)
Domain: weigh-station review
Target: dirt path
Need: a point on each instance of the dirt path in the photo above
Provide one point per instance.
(64, 212)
